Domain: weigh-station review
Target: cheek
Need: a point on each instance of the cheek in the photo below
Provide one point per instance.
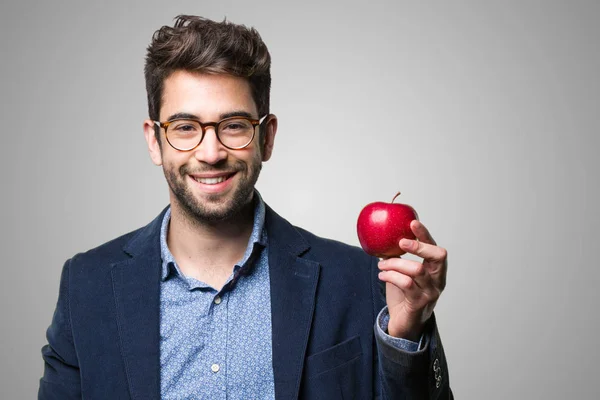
(174, 167)
(255, 161)
(174, 159)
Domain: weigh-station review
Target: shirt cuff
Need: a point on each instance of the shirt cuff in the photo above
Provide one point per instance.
(383, 320)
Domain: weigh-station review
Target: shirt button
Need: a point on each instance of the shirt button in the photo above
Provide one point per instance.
(217, 300)
(215, 368)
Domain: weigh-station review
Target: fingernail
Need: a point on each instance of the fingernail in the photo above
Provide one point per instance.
(405, 243)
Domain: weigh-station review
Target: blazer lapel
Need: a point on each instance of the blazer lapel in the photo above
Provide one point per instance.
(293, 287)
(136, 285)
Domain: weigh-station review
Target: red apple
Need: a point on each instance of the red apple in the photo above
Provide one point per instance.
(381, 225)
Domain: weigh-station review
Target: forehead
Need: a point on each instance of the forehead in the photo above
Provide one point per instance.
(206, 95)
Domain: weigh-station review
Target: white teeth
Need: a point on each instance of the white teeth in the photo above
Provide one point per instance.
(211, 181)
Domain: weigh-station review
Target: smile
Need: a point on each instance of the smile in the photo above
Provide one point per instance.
(211, 181)
(216, 181)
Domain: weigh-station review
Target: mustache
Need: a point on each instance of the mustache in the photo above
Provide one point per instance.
(220, 167)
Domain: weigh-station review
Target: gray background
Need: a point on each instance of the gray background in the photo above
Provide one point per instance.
(484, 114)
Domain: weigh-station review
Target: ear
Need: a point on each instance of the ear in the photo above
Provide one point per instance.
(270, 131)
(153, 144)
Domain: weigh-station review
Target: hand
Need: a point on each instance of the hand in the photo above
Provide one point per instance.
(413, 288)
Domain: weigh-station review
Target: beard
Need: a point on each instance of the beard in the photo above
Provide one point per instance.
(214, 207)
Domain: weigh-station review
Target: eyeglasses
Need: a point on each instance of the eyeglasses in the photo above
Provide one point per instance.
(234, 133)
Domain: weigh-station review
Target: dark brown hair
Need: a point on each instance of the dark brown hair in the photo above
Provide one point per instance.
(200, 45)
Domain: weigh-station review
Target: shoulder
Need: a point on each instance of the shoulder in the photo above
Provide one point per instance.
(325, 246)
(105, 254)
(342, 266)
(120, 248)
(302, 242)
(111, 249)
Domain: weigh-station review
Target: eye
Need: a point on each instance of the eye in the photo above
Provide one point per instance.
(185, 127)
(236, 125)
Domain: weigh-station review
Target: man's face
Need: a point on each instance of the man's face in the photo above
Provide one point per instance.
(210, 183)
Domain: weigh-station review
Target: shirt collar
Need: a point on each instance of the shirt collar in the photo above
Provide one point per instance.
(257, 237)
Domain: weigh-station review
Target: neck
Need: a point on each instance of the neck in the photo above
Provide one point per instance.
(202, 247)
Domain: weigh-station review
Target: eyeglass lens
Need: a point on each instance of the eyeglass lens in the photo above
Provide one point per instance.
(232, 132)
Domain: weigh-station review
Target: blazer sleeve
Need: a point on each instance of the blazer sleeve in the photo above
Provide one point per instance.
(408, 375)
(61, 379)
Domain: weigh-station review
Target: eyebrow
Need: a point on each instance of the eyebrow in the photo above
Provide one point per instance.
(236, 113)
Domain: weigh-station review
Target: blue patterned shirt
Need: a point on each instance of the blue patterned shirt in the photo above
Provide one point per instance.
(217, 344)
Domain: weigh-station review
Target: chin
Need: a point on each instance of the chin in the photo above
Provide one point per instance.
(215, 207)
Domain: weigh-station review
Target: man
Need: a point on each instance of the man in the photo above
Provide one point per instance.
(219, 297)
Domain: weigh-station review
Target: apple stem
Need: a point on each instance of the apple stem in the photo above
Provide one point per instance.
(397, 194)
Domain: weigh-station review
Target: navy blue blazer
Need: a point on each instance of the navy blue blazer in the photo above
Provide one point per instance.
(103, 342)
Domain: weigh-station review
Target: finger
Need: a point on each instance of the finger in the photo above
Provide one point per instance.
(403, 282)
(426, 251)
(414, 294)
(421, 232)
(414, 269)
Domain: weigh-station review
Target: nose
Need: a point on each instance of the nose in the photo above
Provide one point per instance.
(210, 151)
